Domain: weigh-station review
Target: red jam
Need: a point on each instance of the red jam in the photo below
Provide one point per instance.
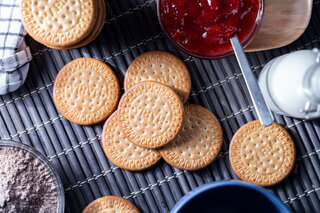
(204, 27)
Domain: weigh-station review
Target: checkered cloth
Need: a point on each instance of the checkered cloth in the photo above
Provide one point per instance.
(14, 54)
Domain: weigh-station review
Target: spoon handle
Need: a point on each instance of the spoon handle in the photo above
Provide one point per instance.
(264, 114)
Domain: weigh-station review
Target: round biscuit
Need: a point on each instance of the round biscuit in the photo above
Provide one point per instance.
(58, 23)
(99, 24)
(262, 155)
(97, 28)
(86, 91)
(110, 204)
(162, 67)
(150, 114)
(122, 152)
(198, 142)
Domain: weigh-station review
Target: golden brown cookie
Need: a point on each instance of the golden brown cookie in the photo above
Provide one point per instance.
(262, 155)
(58, 23)
(86, 91)
(97, 28)
(162, 67)
(112, 204)
(198, 142)
(124, 153)
(150, 114)
(99, 24)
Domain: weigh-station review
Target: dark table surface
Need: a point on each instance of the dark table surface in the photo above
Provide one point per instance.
(30, 116)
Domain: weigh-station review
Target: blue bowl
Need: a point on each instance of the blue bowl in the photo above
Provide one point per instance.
(230, 197)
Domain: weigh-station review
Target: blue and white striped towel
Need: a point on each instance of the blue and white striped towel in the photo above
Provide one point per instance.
(14, 54)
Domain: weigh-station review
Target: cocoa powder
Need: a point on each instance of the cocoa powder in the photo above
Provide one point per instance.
(25, 183)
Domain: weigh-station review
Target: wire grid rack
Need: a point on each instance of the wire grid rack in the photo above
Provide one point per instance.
(30, 116)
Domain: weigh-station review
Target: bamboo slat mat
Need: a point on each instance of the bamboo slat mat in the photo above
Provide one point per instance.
(30, 116)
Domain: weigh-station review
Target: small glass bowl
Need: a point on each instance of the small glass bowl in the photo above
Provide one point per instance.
(245, 43)
(54, 175)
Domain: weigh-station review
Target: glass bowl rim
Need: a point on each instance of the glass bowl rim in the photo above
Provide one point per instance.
(54, 174)
(245, 43)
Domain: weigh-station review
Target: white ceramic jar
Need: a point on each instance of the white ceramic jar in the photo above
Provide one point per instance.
(290, 84)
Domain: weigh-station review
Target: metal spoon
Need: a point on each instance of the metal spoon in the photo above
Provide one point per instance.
(264, 114)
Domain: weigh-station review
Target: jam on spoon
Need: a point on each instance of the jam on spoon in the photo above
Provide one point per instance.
(204, 27)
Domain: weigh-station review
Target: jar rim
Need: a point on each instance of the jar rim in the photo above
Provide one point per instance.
(244, 43)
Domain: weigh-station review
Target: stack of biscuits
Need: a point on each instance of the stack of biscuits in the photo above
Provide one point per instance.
(151, 120)
(64, 24)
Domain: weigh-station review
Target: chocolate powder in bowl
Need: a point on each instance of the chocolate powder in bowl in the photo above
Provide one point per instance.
(25, 183)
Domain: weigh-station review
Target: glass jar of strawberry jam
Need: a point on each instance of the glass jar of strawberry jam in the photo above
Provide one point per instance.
(203, 28)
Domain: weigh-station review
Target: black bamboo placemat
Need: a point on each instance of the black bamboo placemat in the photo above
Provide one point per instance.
(29, 115)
